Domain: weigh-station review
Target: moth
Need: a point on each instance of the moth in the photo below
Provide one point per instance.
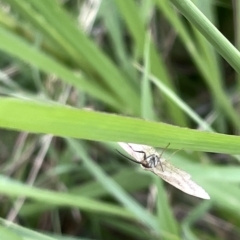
(151, 160)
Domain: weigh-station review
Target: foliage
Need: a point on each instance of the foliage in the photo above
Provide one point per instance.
(149, 72)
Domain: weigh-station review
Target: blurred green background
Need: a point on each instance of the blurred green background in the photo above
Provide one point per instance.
(76, 77)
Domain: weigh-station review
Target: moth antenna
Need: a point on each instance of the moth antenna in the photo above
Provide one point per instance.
(164, 150)
(174, 153)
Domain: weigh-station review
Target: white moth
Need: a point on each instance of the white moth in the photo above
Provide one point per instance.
(151, 160)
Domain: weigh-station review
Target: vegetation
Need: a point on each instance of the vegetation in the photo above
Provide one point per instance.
(79, 76)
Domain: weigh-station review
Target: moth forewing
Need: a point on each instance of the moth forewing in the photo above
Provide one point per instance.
(174, 170)
(180, 180)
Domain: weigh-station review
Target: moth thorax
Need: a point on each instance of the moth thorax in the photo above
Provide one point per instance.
(153, 161)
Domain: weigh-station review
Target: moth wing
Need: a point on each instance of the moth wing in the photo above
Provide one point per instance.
(168, 167)
(179, 179)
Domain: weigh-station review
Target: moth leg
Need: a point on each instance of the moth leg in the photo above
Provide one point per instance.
(128, 157)
(144, 154)
(161, 165)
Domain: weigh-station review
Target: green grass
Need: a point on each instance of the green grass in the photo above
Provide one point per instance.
(139, 72)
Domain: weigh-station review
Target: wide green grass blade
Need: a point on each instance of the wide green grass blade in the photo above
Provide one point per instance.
(70, 122)
(7, 234)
